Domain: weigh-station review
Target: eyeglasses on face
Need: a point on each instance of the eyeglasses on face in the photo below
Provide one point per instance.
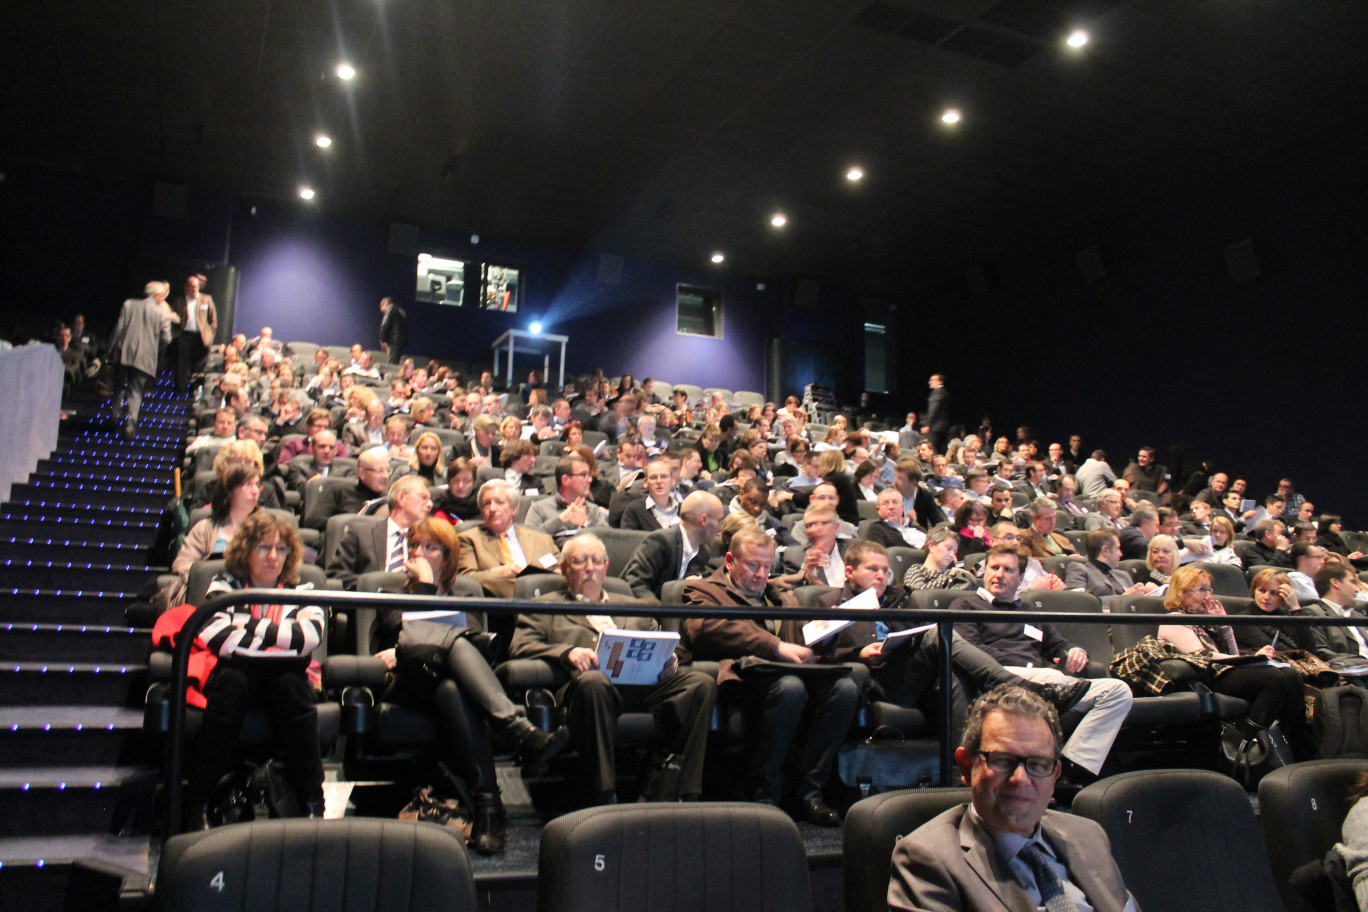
(266, 550)
(1005, 763)
(584, 560)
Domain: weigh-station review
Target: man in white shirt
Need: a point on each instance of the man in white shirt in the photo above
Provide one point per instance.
(1307, 558)
(1338, 589)
(893, 530)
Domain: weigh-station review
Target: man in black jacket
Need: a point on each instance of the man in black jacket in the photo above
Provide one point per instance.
(393, 329)
(1038, 652)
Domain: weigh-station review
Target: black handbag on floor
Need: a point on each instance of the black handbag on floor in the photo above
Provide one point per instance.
(1249, 751)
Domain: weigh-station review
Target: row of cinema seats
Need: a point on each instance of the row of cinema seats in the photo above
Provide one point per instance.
(381, 738)
(1185, 841)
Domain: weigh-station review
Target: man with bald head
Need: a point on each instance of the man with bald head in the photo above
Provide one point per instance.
(678, 552)
(681, 701)
(372, 478)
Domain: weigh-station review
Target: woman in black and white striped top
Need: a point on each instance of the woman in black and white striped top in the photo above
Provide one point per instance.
(263, 660)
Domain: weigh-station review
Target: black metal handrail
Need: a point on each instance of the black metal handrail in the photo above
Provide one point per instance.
(944, 619)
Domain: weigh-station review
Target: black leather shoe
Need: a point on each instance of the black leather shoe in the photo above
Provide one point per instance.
(313, 810)
(815, 811)
(1063, 697)
(489, 833)
(536, 747)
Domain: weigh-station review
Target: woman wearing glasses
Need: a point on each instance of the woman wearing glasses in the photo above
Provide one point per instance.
(441, 668)
(1274, 694)
(263, 654)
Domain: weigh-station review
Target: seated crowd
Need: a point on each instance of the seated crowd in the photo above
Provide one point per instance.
(747, 506)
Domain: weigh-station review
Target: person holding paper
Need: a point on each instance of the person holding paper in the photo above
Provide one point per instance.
(440, 668)
(681, 701)
(1038, 652)
(905, 665)
(497, 551)
(813, 711)
(1274, 694)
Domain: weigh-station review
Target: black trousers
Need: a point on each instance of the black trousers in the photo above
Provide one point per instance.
(913, 671)
(682, 705)
(189, 355)
(1273, 694)
(287, 698)
(467, 697)
(783, 706)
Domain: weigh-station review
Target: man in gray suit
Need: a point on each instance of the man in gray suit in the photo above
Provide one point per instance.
(144, 327)
(1005, 850)
(1100, 574)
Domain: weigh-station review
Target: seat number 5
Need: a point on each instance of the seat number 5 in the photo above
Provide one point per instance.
(599, 863)
(217, 882)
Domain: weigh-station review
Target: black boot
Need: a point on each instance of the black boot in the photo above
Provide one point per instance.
(313, 809)
(535, 747)
(489, 834)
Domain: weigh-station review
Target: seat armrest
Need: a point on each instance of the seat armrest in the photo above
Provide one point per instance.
(342, 671)
(517, 675)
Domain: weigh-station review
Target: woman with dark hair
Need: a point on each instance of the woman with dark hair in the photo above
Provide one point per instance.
(442, 668)
(263, 660)
(866, 474)
(1274, 694)
(1329, 535)
(971, 524)
(457, 503)
(233, 498)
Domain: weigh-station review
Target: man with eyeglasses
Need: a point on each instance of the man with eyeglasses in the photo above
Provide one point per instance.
(372, 543)
(1005, 850)
(570, 511)
(372, 477)
(681, 701)
(1039, 652)
(497, 551)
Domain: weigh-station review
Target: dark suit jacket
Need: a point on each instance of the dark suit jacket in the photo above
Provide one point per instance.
(550, 637)
(1329, 642)
(639, 517)
(302, 468)
(950, 864)
(883, 532)
(479, 553)
(394, 327)
(1134, 545)
(937, 415)
(339, 499)
(362, 550)
(656, 561)
(1089, 577)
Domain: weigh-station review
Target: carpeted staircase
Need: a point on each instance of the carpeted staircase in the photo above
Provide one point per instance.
(77, 775)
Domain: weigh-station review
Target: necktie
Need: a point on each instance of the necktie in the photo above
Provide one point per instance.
(396, 556)
(505, 552)
(1051, 890)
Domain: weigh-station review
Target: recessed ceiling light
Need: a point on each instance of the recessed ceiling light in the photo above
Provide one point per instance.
(322, 141)
(1077, 39)
(779, 220)
(718, 257)
(951, 116)
(345, 71)
(854, 174)
(306, 193)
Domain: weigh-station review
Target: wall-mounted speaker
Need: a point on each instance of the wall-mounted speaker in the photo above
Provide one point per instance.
(1242, 262)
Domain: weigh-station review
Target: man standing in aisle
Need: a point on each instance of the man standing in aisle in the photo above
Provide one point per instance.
(393, 329)
(194, 332)
(144, 327)
(938, 413)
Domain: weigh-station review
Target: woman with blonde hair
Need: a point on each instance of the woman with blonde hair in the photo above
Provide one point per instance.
(427, 460)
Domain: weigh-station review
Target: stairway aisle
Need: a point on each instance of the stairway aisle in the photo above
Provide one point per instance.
(77, 774)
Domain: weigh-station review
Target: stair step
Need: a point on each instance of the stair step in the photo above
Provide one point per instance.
(43, 686)
(72, 457)
(102, 530)
(19, 574)
(125, 496)
(69, 747)
(73, 643)
(103, 476)
(38, 606)
(52, 852)
(72, 717)
(43, 805)
(74, 550)
(93, 516)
